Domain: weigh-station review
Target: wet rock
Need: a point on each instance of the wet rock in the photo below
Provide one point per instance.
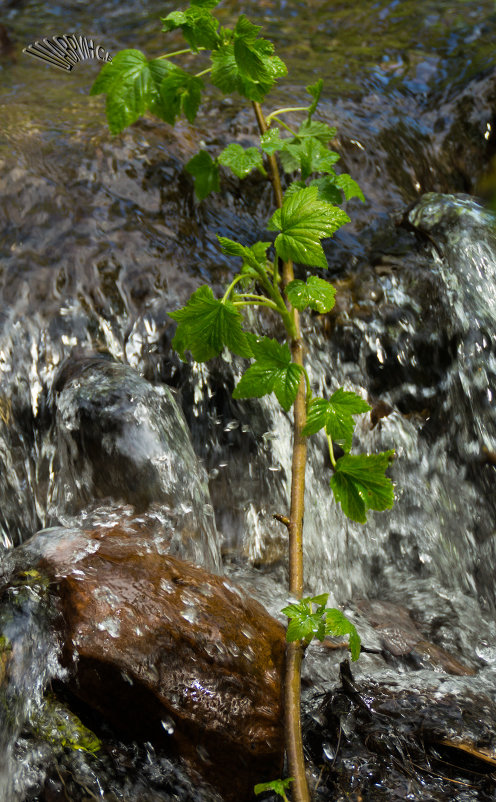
(372, 741)
(119, 437)
(168, 653)
(401, 637)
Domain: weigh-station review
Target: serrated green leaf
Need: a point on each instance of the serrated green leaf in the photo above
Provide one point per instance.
(335, 415)
(240, 160)
(271, 142)
(198, 26)
(312, 156)
(318, 130)
(277, 786)
(132, 84)
(181, 92)
(206, 325)
(294, 187)
(315, 90)
(228, 77)
(359, 483)
(225, 73)
(349, 187)
(251, 53)
(205, 171)
(321, 599)
(328, 190)
(337, 624)
(272, 371)
(255, 255)
(303, 221)
(314, 293)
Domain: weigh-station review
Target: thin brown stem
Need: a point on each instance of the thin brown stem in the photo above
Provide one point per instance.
(294, 651)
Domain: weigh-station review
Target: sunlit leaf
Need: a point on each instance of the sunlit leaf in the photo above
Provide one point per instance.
(304, 221)
(272, 371)
(198, 26)
(240, 160)
(132, 85)
(206, 325)
(335, 415)
(314, 293)
(359, 483)
(337, 624)
(315, 90)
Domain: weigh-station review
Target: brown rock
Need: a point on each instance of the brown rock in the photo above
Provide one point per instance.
(400, 636)
(169, 653)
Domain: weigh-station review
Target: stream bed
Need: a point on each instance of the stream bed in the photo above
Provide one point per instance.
(101, 237)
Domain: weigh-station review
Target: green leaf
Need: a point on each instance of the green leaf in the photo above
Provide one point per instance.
(307, 623)
(315, 90)
(241, 161)
(205, 3)
(311, 155)
(277, 786)
(337, 624)
(198, 26)
(181, 92)
(328, 190)
(271, 141)
(229, 77)
(359, 483)
(251, 53)
(336, 416)
(255, 256)
(272, 371)
(349, 187)
(303, 221)
(205, 171)
(321, 131)
(132, 84)
(225, 73)
(314, 293)
(206, 325)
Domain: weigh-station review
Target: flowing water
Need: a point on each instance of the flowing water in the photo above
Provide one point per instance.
(101, 237)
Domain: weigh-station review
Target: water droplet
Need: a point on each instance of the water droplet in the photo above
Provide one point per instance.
(169, 725)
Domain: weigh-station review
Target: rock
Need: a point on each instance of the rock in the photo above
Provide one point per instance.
(168, 653)
(121, 438)
(394, 741)
(401, 637)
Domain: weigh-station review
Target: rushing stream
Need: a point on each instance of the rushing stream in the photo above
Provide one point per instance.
(100, 237)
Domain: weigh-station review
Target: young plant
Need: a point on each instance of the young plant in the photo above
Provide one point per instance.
(306, 212)
(278, 787)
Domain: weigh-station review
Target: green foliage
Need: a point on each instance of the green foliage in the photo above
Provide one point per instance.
(132, 85)
(205, 172)
(335, 415)
(277, 786)
(359, 483)
(207, 325)
(314, 293)
(198, 26)
(307, 623)
(241, 161)
(272, 371)
(242, 61)
(304, 220)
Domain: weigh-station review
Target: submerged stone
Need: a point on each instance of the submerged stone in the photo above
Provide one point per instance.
(168, 653)
(121, 438)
